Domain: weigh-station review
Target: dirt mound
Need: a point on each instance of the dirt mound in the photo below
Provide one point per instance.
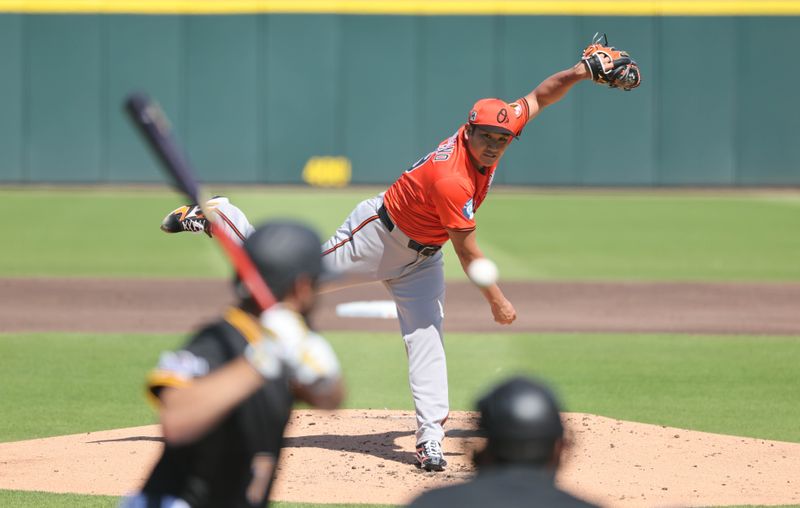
(360, 456)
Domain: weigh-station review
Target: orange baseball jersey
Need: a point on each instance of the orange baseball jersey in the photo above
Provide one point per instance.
(445, 188)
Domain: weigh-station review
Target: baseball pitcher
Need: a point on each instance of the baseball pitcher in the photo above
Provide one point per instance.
(396, 237)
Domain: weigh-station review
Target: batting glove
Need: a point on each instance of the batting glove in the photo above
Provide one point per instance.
(317, 361)
(267, 357)
(307, 356)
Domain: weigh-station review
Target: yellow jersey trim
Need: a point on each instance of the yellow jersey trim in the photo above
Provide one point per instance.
(245, 323)
(163, 379)
(414, 7)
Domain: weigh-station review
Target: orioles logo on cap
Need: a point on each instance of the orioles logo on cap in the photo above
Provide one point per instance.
(502, 116)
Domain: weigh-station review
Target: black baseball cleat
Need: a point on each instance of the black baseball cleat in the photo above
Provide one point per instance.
(186, 218)
(190, 218)
(430, 456)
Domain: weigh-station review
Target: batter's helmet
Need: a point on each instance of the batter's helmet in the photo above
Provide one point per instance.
(521, 421)
(283, 250)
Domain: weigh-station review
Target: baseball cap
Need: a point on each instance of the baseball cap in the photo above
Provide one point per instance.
(494, 115)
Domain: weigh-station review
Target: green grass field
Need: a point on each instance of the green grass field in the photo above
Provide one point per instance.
(676, 380)
(53, 384)
(46, 500)
(531, 236)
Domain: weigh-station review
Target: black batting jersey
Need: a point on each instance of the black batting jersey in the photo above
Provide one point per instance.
(232, 465)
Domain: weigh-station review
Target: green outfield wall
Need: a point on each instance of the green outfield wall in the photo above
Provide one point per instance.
(254, 95)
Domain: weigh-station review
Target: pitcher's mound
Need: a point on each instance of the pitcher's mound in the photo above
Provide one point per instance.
(367, 456)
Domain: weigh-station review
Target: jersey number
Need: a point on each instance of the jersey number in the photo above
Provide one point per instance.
(419, 162)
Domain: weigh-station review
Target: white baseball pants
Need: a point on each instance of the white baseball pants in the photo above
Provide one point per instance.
(363, 250)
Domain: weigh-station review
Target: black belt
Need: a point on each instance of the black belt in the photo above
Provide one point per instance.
(425, 250)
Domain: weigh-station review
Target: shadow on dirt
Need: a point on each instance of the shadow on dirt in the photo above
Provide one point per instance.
(132, 438)
(381, 444)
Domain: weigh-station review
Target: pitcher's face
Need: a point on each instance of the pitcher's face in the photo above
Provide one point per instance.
(485, 146)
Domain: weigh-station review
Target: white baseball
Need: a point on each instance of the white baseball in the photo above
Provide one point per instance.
(483, 272)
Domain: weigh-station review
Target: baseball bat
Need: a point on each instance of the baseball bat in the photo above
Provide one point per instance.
(154, 125)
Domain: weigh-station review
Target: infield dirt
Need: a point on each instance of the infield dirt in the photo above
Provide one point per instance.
(177, 306)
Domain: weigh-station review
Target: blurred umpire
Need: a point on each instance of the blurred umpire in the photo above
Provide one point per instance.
(225, 398)
(520, 419)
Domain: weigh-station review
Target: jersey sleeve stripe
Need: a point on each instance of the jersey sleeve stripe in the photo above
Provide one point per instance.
(245, 324)
(159, 379)
(524, 102)
(163, 378)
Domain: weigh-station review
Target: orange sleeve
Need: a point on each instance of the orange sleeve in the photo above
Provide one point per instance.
(452, 198)
(521, 114)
